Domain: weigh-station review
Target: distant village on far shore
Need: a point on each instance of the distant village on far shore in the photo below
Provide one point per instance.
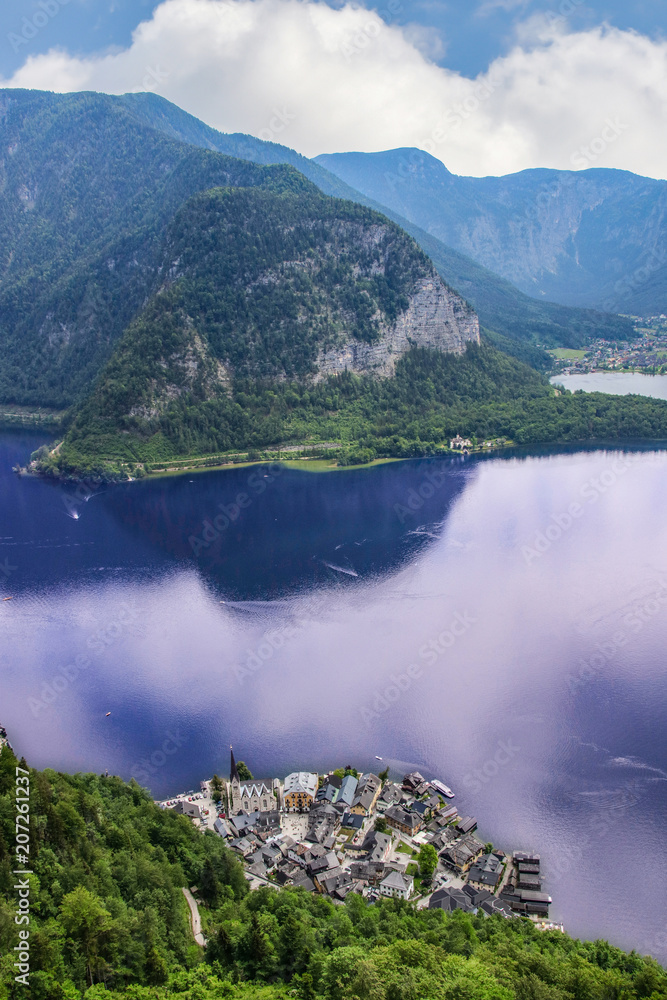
(346, 832)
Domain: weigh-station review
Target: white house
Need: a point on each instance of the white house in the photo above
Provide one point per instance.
(396, 884)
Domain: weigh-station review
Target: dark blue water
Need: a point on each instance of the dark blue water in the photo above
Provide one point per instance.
(498, 624)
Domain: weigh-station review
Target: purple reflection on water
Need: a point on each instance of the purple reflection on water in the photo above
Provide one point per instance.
(502, 630)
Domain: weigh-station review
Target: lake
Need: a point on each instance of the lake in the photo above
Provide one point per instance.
(499, 623)
(615, 383)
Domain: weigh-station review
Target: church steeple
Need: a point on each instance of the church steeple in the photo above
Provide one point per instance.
(233, 770)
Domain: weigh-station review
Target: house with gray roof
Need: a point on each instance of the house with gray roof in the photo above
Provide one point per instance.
(367, 794)
(347, 789)
(396, 884)
(403, 820)
(486, 872)
(377, 846)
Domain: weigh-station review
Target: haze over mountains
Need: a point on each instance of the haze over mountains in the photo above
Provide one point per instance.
(594, 238)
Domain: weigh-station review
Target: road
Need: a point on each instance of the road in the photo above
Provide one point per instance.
(195, 919)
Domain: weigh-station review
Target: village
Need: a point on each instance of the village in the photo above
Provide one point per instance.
(647, 354)
(346, 832)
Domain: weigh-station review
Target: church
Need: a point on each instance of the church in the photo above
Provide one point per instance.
(248, 796)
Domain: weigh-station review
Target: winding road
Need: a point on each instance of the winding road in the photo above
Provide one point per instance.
(195, 919)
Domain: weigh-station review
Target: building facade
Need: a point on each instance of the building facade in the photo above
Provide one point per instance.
(248, 796)
(300, 791)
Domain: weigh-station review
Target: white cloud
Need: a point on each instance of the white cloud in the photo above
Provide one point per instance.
(344, 79)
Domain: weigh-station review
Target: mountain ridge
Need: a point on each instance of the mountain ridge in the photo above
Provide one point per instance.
(502, 307)
(580, 238)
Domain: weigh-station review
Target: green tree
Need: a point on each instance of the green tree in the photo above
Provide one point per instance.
(216, 788)
(245, 774)
(85, 920)
(381, 824)
(428, 861)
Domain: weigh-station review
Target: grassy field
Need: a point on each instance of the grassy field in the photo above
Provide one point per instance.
(567, 354)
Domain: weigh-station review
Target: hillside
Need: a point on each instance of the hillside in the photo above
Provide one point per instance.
(108, 919)
(590, 238)
(500, 305)
(86, 194)
(356, 418)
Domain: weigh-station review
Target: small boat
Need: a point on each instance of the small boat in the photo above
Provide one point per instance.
(8, 598)
(107, 715)
(377, 758)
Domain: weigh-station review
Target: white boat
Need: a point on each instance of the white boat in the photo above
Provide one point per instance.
(443, 789)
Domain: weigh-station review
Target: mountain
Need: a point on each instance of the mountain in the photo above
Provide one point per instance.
(86, 193)
(257, 289)
(88, 185)
(186, 304)
(502, 308)
(591, 238)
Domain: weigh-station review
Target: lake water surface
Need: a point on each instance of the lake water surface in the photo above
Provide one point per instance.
(616, 383)
(500, 624)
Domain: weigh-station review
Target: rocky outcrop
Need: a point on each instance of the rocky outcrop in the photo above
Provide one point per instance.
(437, 317)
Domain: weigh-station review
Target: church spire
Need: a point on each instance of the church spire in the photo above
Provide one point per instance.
(233, 770)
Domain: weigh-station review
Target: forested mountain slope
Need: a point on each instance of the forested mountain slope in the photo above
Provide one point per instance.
(86, 193)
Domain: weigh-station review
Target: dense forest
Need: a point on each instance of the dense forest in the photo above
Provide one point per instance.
(433, 396)
(108, 919)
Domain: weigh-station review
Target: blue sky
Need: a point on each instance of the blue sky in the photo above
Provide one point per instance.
(471, 35)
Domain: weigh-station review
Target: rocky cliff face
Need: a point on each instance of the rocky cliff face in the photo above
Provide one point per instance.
(436, 317)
